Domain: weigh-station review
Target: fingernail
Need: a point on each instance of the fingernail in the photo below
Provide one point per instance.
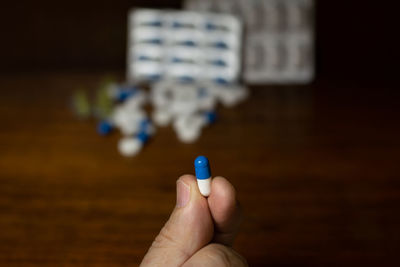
(182, 194)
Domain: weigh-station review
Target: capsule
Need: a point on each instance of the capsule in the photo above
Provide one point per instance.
(104, 127)
(203, 175)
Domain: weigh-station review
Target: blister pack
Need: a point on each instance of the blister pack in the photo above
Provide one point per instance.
(279, 44)
(184, 46)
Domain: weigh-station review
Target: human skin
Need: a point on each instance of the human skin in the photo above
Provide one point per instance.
(200, 231)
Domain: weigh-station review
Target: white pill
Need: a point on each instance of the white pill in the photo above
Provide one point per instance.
(124, 115)
(188, 136)
(204, 186)
(129, 129)
(207, 103)
(135, 102)
(231, 96)
(187, 122)
(129, 146)
(162, 117)
(188, 128)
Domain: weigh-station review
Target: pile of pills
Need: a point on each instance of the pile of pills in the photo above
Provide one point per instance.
(129, 117)
(191, 107)
(187, 107)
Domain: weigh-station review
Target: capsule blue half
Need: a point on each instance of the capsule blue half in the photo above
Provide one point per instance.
(202, 168)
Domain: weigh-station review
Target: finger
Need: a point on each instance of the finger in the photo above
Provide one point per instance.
(225, 211)
(188, 229)
(216, 255)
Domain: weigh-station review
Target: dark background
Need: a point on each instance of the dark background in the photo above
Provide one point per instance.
(316, 167)
(355, 39)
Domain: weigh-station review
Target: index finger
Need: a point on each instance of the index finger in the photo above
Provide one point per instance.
(225, 210)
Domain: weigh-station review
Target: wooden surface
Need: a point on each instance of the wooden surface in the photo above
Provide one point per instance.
(316, 169)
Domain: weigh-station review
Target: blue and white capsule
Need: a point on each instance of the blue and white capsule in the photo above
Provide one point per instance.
(203, 175)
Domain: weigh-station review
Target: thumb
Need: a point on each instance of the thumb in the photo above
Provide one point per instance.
(189, 228)
(216, 255)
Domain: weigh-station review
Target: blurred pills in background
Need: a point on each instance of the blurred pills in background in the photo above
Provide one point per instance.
(187, 107)
(190, 62)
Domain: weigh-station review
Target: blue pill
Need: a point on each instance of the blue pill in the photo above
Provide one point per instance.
(221, 81)
(154, 41)
(211, 116)
(219, 62)
(143, 58)
(154, 77)
(144, 125)
(186, 79)
(211, 27)
(176, 24)
(125, 93)
(221, 45)
(177, 60)
(155, 24)
(104, 128)
(202, 168)
(188, 43)
(143, 137)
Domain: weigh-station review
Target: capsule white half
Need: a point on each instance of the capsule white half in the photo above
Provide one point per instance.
(204, 186)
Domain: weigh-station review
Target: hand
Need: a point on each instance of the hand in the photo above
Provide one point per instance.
(200, 231)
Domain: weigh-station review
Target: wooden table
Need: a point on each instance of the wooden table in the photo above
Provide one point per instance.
(316, 169)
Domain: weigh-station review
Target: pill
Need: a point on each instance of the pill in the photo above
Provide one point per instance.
(121, 92)
(104, 127)
(154, 77)
(188, 43)
(203, 175)
(176, 24)
(188, 135)
(154, 41)
(162, 117)
(129, 146)
(221, 81)
(186, 79)
(211, 26)
(219, 62)
(211, 116)
(146, 126)
(221, 45)
(81, 104)
(153, 24)
(143, 137)
(144, 58)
